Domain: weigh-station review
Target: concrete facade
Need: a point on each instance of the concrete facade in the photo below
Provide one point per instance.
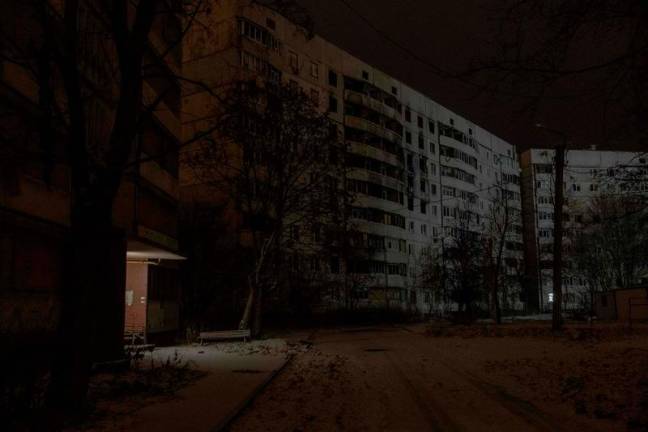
(588, 174)
(416, 166)
(35, 207)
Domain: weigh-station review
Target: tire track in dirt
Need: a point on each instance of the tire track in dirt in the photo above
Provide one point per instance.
(434, 415)
(518, 407)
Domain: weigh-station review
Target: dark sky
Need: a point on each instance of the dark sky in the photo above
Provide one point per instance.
(448, 34)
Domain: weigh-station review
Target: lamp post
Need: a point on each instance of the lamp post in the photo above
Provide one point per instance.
(557, 322)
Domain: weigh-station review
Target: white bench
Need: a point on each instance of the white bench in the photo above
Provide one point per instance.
(228, 334)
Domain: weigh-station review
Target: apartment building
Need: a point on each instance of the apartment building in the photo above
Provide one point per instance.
(588, 174)
(35, 192)
(416, 167)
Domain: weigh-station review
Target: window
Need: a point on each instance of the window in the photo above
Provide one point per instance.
(394, 91)
(314, 70)
(408, 137)
(419, 121)
(576, 187)
(257, 33)
(431, 126)
(412, 226)
(423, 207)
(333, 104)
(423, 164)
(270, 23)
(421, 141)
(432, 148)
(365, 75)
(410, 203)
(423, 229)
(294, 61)
(423, 185)
(333, 78)
(593, 187)
(408, 115)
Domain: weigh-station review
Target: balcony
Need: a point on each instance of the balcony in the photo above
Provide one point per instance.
(374, 104)
(376, 129)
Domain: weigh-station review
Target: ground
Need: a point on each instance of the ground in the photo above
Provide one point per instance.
(419, 378)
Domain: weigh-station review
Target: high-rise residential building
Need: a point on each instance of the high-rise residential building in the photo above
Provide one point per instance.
(36, 189)
(588, 175)
(417, 168)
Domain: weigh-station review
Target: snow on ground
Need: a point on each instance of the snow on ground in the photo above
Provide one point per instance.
(190, 387)
(506, 378)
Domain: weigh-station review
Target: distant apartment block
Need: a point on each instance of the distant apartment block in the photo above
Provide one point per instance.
(588, 174)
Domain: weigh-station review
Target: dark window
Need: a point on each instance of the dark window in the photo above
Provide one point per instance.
(423, 207)
(394, 90)
(365, 75)
(452, 122)
(333, 104)
(420, 121)
(421, 142)
(431, 126)
(408, 115)
(408, 137)
(271, 23)
(333, 78)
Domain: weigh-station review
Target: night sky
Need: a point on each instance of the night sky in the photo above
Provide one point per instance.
(451, 35)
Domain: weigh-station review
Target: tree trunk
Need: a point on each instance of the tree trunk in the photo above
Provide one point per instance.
(557, 323)
(258, 312)
(82, 298)
(245, 320)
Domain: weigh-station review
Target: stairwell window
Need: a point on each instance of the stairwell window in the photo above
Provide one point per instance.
(293, 59)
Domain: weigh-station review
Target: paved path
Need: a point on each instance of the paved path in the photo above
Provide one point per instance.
(234, 372)
(391, 379)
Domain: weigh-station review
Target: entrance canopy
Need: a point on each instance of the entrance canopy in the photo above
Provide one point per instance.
(140, 251)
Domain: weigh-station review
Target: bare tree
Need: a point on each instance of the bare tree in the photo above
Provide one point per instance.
(543, 58)
(276, 162)
(502, 216)
(609, 247)
(463, 263)
(91, 62)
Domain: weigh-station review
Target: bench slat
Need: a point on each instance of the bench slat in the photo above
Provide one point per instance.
(228, 334)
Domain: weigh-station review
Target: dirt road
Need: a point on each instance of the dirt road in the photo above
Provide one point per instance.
(396, 379)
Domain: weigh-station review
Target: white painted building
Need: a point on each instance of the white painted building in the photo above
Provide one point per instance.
(416, 164)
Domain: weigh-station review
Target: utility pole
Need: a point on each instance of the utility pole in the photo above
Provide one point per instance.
(556, 319)
(556, 322)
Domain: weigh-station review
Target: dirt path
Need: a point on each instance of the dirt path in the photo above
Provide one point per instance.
(389, 379)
